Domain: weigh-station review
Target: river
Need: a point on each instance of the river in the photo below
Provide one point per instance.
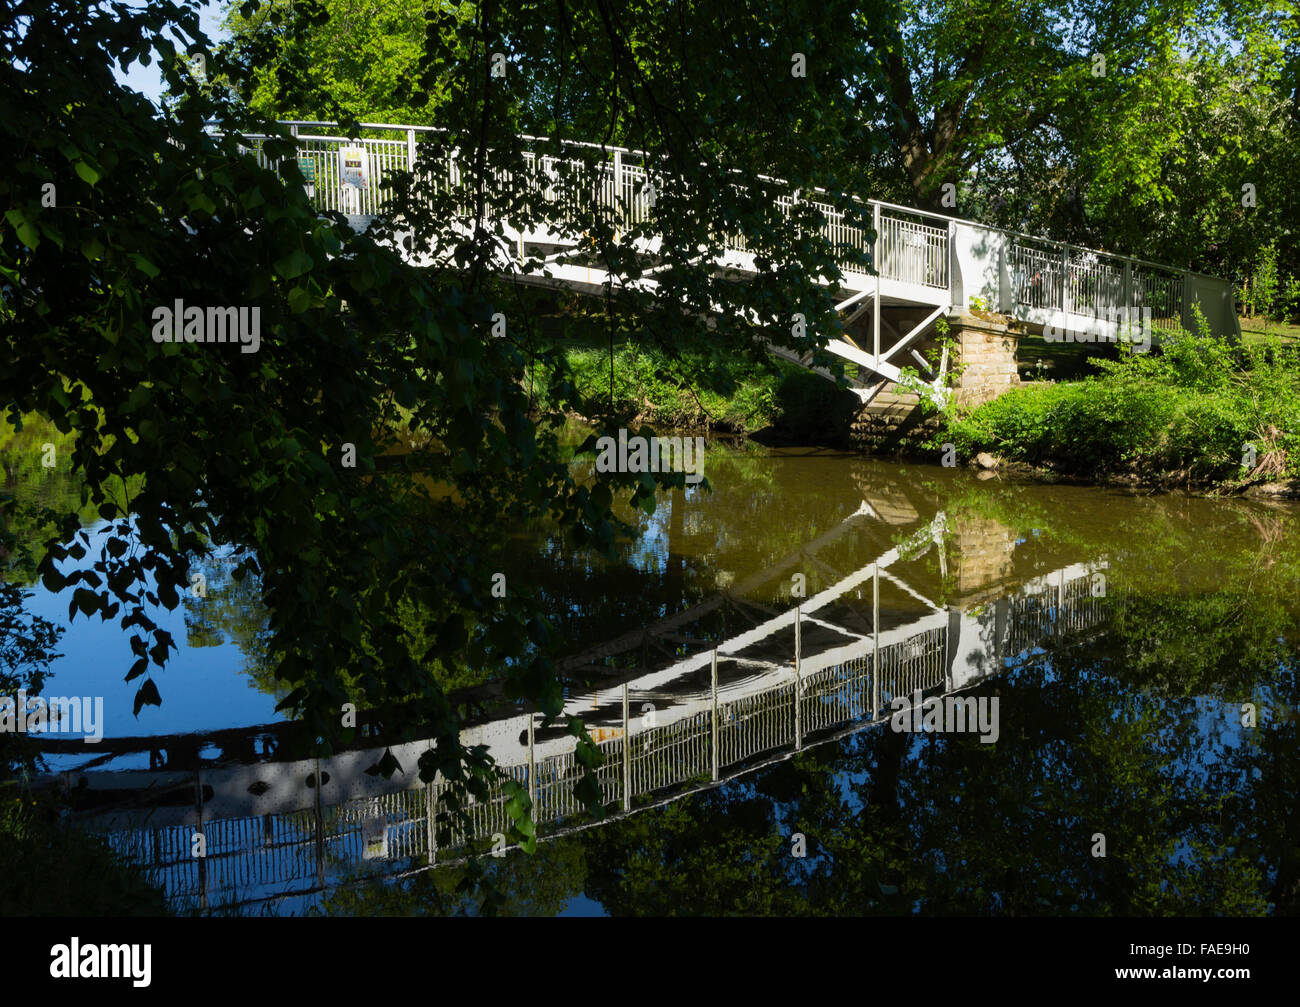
(1133, 657)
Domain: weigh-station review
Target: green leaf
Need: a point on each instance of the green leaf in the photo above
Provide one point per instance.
(85, 600)
(144, 265)
(292, 265)
(27, 231)
(299, 300)
(291, 700)
(167, 595)
(86, 172)
(147, 695)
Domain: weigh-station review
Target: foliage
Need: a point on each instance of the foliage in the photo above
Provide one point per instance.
(284, 457)
(689, 392)
(1262, 292)
(341, 59)
(1189, 412)
(50, 869)
(27, 645)
(1131, 128)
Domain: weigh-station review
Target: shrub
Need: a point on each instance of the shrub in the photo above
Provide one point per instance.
(1188, 409)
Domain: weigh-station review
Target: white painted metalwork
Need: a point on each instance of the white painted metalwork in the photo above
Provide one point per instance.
(916, 258)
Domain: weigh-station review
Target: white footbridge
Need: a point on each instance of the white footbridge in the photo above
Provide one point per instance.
(919, 267)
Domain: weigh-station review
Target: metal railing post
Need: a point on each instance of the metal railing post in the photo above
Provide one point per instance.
(627, 754)
(431, 837)
(320, 831)
(947, 655)
(1065, 279)
(950, 260)
(532, 769)
(875, 641)
(1060, 600)
(876, 262)
(617, 194)
(715, 713)
(410, 150)
(201, 866)
(798, 683)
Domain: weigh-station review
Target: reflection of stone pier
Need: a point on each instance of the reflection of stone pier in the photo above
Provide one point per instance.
(982, 554)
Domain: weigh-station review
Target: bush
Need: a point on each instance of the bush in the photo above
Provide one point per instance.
(1187, 411)
(48, 868)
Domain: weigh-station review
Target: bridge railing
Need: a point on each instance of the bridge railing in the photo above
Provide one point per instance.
(915, 248)
(911, 247)
(912, 252)
(1076, 281)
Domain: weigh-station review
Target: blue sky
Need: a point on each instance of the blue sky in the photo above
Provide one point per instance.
(147, 80)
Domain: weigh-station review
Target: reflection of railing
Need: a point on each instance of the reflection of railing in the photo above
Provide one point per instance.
(253, 857)
(1057, 607)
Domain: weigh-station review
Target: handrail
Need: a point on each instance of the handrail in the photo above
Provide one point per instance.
(947, 218)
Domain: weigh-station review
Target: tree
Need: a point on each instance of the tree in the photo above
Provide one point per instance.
(115, 212)
(286, 456)
(333, 59)
(1129, 126)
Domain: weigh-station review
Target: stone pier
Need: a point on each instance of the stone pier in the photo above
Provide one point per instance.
(986, 365)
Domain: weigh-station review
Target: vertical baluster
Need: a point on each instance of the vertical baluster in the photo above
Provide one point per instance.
(627, 754)
(798, 684)
(877, 261)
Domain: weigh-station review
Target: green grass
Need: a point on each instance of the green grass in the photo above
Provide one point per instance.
(1254, 330)
(692, 392)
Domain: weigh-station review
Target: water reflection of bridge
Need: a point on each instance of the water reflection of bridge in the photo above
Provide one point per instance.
(797, 677)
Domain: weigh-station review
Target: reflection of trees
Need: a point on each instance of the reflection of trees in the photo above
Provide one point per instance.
(946, 825)
(1132, 732)
(31, 495)
(27, 645)
(1196, 818)
(762, 509)
(231, 611)
(540, 885)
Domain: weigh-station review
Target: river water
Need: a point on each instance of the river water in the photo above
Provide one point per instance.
(1134, 658)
